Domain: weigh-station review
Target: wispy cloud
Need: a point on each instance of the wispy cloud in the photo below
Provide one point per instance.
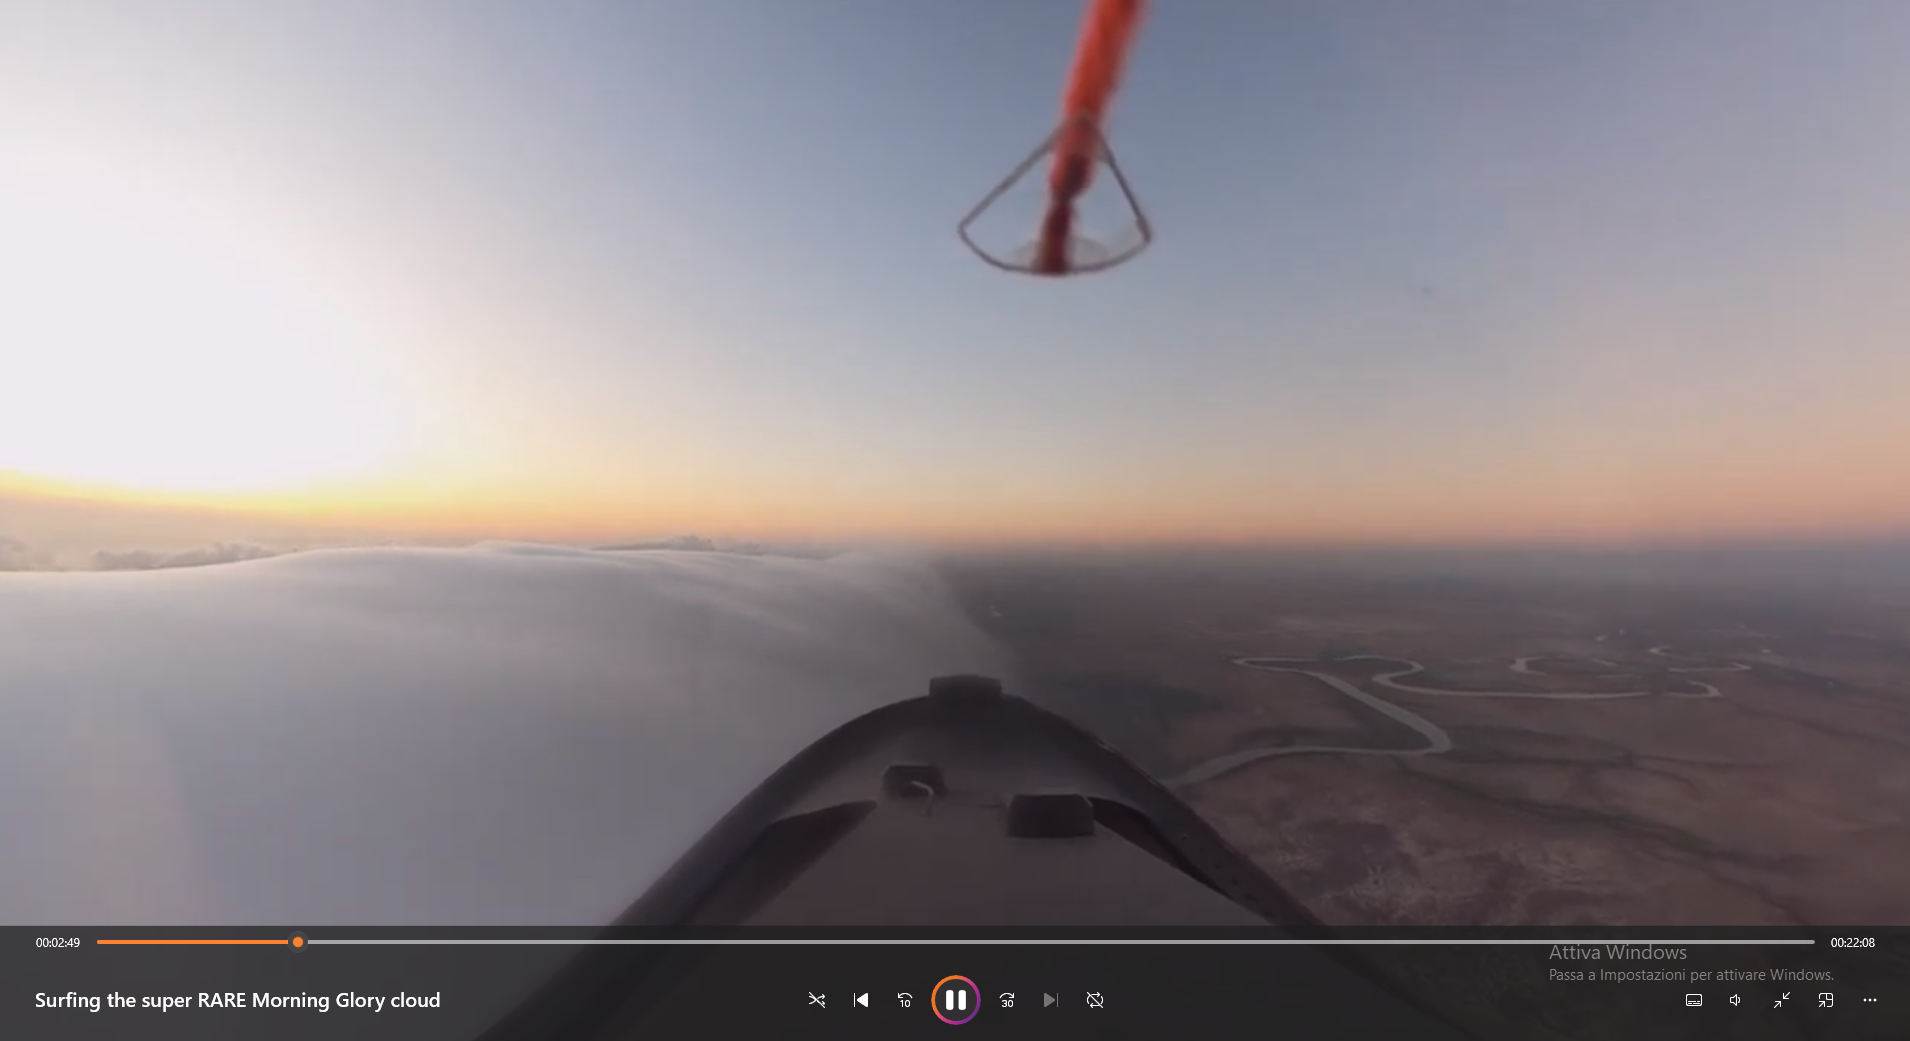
(147, 560)
(19, 555)
(16, 555)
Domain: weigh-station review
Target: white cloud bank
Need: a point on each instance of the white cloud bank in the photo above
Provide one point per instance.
(500, 735)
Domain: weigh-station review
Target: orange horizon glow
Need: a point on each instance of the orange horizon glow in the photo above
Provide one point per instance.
(1720, 511)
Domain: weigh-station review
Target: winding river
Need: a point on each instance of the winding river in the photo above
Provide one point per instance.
(1434, 738)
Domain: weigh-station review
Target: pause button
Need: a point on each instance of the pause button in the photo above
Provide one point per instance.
(956, 999)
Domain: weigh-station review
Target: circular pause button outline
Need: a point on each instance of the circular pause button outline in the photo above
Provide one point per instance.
(935, 1003)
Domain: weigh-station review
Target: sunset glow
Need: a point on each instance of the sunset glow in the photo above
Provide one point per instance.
(1644, 284)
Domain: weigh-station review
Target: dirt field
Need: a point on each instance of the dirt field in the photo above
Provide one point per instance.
(1646, 753)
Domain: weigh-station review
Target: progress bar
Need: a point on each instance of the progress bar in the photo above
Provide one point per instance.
(294, 940)
(1055, 943)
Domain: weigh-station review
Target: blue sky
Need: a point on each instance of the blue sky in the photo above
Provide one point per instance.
(1468, 269)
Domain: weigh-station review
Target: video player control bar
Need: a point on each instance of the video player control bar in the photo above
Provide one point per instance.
(954, 1000)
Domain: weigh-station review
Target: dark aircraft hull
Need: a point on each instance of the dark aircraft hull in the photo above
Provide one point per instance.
(1052, 827)
(966, 812)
